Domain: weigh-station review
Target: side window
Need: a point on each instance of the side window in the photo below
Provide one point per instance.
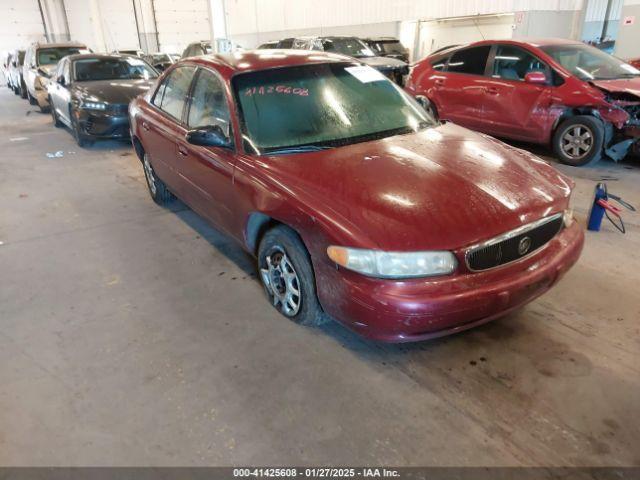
(300, 44)
(209, 103)
(286, 43)
(470, 60)
(513, 63)
(174, 90)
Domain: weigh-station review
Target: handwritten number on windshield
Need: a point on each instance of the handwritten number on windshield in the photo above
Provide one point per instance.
(278, 89)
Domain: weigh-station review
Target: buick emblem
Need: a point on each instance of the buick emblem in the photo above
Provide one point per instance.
(524, 245)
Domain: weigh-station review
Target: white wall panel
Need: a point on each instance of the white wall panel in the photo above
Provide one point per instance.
(251, 16)
(20, 24)
(181, 22)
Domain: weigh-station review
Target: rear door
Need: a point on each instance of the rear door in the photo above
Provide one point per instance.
(514, 108)
(459, 90)
(208, 170)
(163, 126)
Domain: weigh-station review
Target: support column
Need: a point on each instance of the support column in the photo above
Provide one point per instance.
(146, 24)
(96, 24)
(218, 25)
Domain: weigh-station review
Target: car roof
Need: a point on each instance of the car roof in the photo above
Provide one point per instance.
(531, 42)
(382, 39)
(253, 60)
(60, 44)
(101, 56)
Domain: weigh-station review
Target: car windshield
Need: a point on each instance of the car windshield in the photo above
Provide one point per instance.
(354, 47)
(51, 56)
(322, 106)
(89, 69)
(588, 63)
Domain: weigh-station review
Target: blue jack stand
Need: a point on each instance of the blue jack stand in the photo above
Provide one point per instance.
(597, 212)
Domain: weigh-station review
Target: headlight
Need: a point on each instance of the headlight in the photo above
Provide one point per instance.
(93, 106)
(568, 217)
(375, 263)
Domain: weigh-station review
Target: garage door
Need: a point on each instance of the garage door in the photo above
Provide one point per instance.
(180, 23)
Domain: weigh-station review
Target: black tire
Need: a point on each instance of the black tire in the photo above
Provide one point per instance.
(56, 121)
(577, 154)
(81, 139)
(32, 101)
(157, 188)
(278, 244)
(23, 89)
(16, 90)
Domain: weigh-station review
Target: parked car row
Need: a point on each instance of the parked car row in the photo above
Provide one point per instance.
(582, 102)
(384, 54)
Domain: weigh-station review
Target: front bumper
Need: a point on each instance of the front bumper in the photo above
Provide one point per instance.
(408, 311)
(105, 125)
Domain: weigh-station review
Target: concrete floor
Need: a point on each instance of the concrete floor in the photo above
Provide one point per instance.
(135, 335)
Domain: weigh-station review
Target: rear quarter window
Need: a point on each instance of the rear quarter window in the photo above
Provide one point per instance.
(471, 61)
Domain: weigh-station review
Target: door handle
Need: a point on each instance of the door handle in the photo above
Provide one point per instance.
(439, 81)
(492, 90)
(182, 151)
(145, 126)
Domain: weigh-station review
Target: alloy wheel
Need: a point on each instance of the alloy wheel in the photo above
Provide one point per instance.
(282, 283)
(148, 173)
(577, 141)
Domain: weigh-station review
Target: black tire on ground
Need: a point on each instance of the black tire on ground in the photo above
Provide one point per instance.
(284, 265)
(82, 139)
(23, 90)
(32, 101)
(157, 188)
(579, 140)
(16, 90)
(56, 121)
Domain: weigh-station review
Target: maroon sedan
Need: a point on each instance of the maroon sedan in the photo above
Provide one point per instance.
(355, 201)
(579, 100)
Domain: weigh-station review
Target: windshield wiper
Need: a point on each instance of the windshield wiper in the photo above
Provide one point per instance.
(298, 149)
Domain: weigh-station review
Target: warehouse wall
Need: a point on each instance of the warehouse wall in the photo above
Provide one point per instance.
(20, 24)
(539, 24)
(595, 13)
(629, 35)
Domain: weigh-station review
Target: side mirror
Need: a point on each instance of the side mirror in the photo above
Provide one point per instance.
(61, 80)
(210, 136)
(535, 77)
(43, 72)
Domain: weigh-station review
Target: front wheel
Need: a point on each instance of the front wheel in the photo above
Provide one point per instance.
(287, 276)
(579, 140)
(56, 121)
(81, 139)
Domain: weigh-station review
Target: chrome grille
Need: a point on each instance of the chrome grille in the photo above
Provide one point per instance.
(514, 245)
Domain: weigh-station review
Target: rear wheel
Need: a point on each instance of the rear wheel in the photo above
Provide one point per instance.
(579, 140)
(157, 188)
(287, 276)
(23, 89)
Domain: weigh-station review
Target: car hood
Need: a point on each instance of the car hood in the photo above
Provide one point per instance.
(622, 85)
(112, 91)
(48, 68)
(442, 188)
(382, 62)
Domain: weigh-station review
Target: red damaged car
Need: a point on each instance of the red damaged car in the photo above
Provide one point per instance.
(579, 100)
(355, 201)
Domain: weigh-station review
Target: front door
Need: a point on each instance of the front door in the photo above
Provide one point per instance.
(208, 170)
(514, 108)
